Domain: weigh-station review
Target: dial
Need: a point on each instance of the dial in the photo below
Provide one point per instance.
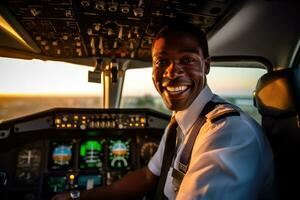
(119, 153)
(147, 151)
(28, 165)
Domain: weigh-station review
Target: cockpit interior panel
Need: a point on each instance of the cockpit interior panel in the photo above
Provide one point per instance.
(64, 148)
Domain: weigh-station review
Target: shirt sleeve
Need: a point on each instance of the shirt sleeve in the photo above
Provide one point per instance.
(226, 163)
(155, 163)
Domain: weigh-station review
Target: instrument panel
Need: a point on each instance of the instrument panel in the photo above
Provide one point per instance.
(46, 159)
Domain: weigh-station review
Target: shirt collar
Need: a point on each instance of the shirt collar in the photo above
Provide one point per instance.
(186, 118)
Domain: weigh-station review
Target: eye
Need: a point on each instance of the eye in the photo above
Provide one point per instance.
(187, 60)
(161, 63)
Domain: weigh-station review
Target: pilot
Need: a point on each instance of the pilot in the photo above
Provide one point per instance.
(213, 149)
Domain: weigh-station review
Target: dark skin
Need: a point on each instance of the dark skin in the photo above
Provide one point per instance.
(179, 71)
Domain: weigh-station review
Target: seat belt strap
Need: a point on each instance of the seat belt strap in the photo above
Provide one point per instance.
(167, 158)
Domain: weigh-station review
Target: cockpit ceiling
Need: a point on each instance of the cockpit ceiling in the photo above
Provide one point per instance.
(102, 28)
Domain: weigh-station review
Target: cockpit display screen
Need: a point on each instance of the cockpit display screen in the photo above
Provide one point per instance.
(91, 154)
(87, 182)
(119, 153)
(56, 184)
(61, 154)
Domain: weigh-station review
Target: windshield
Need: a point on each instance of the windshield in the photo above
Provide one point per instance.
(234, 84)
(29, 86)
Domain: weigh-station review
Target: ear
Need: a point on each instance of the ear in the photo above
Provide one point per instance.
(207, 65)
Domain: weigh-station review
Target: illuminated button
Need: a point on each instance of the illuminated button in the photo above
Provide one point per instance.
(137, 124)
(76, 117)
(63, 125)
(65, 118)
(102, 124)
(75, 125)
(55, 43)
(113, 124)
(44, 42)
(83, 117)
(57, 121)
(78, 44)
(83, 126)
(65, 37)
(69, 125)
(143, 120)
(83, 122)
(92, 124)
(72, 177)
(57, 126)
(38, 38)
(130, 124)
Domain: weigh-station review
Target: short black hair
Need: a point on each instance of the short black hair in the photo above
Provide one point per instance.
(185, 27)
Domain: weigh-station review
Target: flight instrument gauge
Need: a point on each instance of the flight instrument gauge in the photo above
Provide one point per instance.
(147, 151)
(28, 165)
(119, 153)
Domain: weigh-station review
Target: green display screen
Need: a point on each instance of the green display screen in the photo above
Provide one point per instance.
(57, 184)
(91, 154)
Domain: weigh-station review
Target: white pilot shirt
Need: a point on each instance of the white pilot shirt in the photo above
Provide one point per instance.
(231, 158)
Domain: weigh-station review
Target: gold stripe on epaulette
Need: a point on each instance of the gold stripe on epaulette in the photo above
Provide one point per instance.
(227, 112)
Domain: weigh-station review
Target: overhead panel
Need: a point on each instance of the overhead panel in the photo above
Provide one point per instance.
(98, 28)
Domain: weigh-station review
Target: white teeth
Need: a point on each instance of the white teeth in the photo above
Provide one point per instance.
(176, 89)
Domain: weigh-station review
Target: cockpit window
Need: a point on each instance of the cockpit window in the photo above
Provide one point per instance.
(139, 91)
(28, 86)
(234, 84)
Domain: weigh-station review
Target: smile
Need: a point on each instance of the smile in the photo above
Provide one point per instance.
(176, 90)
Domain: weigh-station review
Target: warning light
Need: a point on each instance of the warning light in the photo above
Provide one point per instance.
(72, 177)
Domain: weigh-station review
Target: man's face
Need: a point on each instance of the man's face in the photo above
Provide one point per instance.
(179, 69)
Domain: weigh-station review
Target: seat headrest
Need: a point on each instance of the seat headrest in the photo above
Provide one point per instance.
(277, 93)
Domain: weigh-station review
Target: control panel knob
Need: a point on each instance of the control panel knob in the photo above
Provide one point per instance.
(138, 12)
(113, 7)
(100, 5)
(85, 3)
(125, 8)
(97, 27)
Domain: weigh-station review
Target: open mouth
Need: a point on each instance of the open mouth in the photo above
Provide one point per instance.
(176, 90)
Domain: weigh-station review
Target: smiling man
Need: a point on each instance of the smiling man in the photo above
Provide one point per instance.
(229, 157)
(221, 153)
(179, 68)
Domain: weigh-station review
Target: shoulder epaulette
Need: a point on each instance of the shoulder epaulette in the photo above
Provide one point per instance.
(223, 114)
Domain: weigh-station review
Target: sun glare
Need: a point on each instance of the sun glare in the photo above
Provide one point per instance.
(36, 77)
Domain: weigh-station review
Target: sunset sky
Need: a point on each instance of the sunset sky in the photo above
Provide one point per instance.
(36, 77)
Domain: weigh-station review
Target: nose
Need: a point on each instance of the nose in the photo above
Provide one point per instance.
(173, 71)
